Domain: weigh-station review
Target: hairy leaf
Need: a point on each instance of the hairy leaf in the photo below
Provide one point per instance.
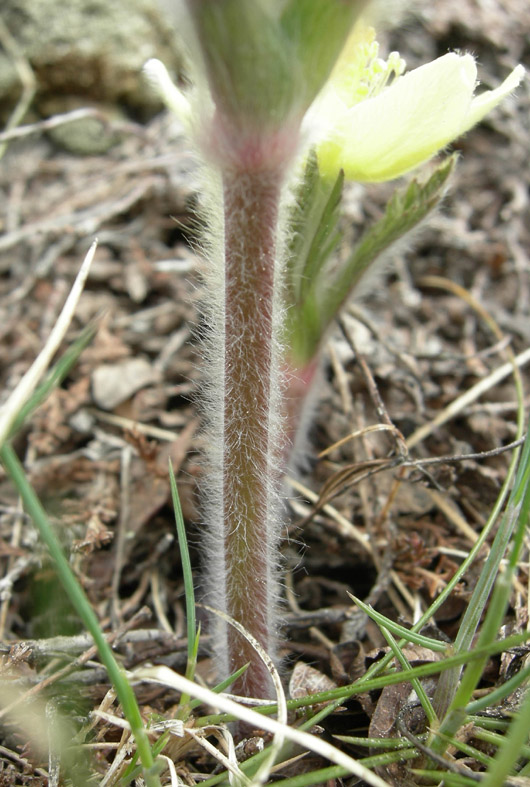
(324, 286)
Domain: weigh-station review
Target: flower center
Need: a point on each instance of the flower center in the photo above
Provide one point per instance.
(360, 73)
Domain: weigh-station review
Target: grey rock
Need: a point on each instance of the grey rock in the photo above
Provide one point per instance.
(114, 383)
(89, 48)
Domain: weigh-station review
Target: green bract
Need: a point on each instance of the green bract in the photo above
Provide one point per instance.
(317, 30)
(263, 59)
(249, 62)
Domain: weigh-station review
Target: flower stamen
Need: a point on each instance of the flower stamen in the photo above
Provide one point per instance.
(360, 73)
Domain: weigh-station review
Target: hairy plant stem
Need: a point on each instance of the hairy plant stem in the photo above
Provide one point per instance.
(250, 428)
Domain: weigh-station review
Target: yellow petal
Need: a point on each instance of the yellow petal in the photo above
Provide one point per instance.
(481, 105)
(407, 123)
(390, 134)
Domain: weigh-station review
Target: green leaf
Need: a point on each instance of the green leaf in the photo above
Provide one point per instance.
(304, 329)
(317, 283)
(406, 209)
(314, 233)
(312, 228)
(55, 376)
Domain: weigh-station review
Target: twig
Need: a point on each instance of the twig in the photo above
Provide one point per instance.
(82, 222)
(68, 117)
(26, 76)
(61, 646)
(27, 385)
(469, 396)
(454, 458)
(442, 761)
(355, 473)
(16, 566)
(119, 553)
(12, 755)
(135, 426)
(375, 396)
(89, 654)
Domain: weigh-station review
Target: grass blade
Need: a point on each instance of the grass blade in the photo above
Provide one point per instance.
(406, 634)
(193, 633)
(80, 602)
(517, 735)
(167, 677)
(414, 682)
(514, 519)
(54, 377)
(23, 391)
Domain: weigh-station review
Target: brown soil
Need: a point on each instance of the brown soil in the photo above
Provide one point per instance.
(411, 346)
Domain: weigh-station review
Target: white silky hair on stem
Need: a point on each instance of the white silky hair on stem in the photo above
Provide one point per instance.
(210, 402)
(263, 773)
(216, 510)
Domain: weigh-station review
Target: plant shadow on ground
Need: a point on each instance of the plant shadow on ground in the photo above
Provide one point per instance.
(97, 450)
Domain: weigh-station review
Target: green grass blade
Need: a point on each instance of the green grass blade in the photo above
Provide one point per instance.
(408, 635)
(186, 573)
(379, 666)
(470, 751)
(222, 686)
(133, 770)
(449, 779)
(414, 682)
(380, 682)
(374, 743)
(55, 376)
(498, 694)
(517, 736)
(341, 695)
(80, 602)
(489, 724)
(320, 715)
(497, 740)
(193, 634)
(512, 747)
(520, 502)
(320, 776)
(324, 775)
(515, 520)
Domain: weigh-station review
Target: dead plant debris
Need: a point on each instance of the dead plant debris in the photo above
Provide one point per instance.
(381, 520)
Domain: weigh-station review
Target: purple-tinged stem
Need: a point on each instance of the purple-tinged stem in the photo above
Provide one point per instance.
(250, 447)
(298, 407)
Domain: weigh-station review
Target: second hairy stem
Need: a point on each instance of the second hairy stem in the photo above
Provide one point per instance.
(250, 474)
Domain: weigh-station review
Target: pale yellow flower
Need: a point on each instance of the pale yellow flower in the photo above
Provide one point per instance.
(382, 124)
